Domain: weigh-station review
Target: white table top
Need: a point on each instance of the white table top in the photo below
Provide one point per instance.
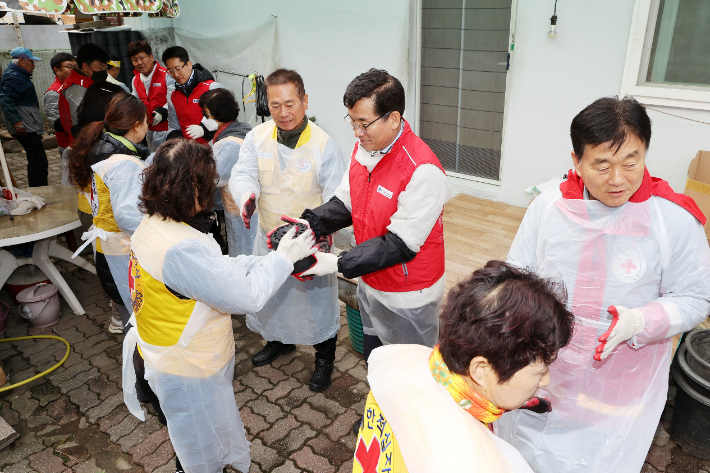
(59, 215)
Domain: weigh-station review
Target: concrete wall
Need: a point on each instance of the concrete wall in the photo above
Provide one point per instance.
(35, 37)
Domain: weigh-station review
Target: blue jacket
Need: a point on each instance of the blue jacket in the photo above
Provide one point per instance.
(18, 100)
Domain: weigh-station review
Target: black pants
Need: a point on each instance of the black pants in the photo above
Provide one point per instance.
(324, 350)
(143, 387)
(37, 166)
(369, 343)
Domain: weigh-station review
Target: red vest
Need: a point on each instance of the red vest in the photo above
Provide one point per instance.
(156, 96)
(62, 137)
(64, 109)
(373, 197)
(188, 109)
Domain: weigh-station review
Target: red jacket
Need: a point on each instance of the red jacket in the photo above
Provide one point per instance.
(62, 136)
(188, 109)
(156, 96)
(64, 109)
(373, 197)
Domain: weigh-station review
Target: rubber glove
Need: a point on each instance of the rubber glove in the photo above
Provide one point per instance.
(625, 323)
(195, 131)
(157, 118)
(296, 248)
(325, 243)
(248, 205)
(20, 129)
(327, 264)
(538, 404)
(289, 221)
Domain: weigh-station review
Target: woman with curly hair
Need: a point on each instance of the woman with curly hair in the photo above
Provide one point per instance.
(106, 160)
(183, 291)
(432, 410)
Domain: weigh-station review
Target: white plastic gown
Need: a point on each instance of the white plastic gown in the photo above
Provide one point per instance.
(651, 255)
(286, 182)
(240, 240)
(193, 377)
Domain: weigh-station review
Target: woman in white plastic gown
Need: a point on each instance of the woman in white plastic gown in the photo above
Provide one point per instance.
(220, 111)
(636, 264)
(500, 330)
(183, 291)
(107, 160)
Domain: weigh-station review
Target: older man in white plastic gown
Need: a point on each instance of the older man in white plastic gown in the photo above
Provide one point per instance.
(285, 166)
(636, 264)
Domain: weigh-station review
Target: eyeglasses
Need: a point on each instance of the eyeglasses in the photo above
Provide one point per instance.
(176, 69)
(363, 128)
(73, 66)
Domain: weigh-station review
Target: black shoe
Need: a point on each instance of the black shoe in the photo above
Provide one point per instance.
(270, 352)
(357, 424)
(320, 381)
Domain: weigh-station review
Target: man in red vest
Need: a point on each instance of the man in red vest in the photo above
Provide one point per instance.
(62, 64)
(153, 85)
(185, 118)
(393, 195)
(92, 62)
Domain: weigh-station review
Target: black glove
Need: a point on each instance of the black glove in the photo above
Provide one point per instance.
(58, 125)
(328, 218)
(174, 134)
(374, 254)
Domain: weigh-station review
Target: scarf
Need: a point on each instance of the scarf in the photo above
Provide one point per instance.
(467, 398)
(573, 188)
(183, 87)
(289, 138)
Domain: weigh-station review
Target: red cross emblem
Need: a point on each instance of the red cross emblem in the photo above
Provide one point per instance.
(368, 457)
(628, 266)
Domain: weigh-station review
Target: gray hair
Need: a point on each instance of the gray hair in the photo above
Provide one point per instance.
(16, 60)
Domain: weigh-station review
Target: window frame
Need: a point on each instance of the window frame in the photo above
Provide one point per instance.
(638, 52)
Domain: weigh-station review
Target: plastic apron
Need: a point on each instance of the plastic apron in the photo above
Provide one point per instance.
(301, 312)
(110, 240)
(192, 377)
(239, 238)
(605, 413)
(432, 431)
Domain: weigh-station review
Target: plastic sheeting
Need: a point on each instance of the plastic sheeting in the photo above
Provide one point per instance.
(651, 255)
(396, 325)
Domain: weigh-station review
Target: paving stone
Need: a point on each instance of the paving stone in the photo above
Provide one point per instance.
(104, 363)
(125, 427)
(294, 440)
(104, 408)
(10, 416)
(140, 433)
(348, 362)
(84, 398)
(160, 457)
(48, 429)
(282, 389)
(21, 448)
(315, 419)
(24, 405)
(269, 372)
(279, 429)
(305, 458)
(257, 383)
(81, 347)
(244, 396)
(647, 468)
(327, 406)
(295, 398)
(36, 421)
(89, 329)
(149, 444)
(270, 412)
(78, 380)
(72, 335)
(265, 456)
(54, 439)
(22, 467)
(169, 467)
(98, 348)
(253, 468)
(69, 373)
(45, 393)
(659, 457)
(73, 451)
(294, 367)
(89, 466)
(288, 467)
(346, 467)
(74, 359)
(114, 418)
(116, 353)
(252, 422)
(340, 384)
(342, 425)
(46, 462)
(335, 452)
(36, 346)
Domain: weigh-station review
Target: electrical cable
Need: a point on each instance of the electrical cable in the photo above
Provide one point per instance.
(37, 376)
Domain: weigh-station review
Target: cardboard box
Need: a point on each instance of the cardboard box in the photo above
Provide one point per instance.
(698, 184)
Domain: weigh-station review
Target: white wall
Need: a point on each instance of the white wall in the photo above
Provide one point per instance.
(553, 80)
(328, 43)
(35, 37)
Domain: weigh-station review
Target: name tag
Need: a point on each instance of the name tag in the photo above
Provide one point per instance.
(195, 100)
(157, 84)
(384, 192)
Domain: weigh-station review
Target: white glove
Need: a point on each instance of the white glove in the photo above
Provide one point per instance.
(195, 131)
(327, 264)
(157, 118)
(295, 249)
(626, 323)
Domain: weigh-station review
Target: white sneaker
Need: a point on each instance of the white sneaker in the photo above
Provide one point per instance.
(115, 326)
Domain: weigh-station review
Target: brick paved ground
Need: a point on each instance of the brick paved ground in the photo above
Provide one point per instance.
(74, 419)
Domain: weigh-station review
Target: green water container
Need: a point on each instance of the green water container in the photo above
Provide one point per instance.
(355, 328)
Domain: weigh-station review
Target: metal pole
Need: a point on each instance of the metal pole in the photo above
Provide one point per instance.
(17, 30)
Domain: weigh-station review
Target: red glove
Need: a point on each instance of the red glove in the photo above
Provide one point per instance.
(248, 210)
(614, 319)
(325, 243)
(20, 130)
(538, 404)
(289, 222)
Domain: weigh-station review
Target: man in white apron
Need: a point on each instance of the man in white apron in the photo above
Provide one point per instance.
(286, 165)
(636, 264)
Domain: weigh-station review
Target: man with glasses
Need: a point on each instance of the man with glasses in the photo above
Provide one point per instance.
(91, 67)
(285, 166)
(62, 64)
(23, 118)
(153, 85)
(393, 195)
(185, 118)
